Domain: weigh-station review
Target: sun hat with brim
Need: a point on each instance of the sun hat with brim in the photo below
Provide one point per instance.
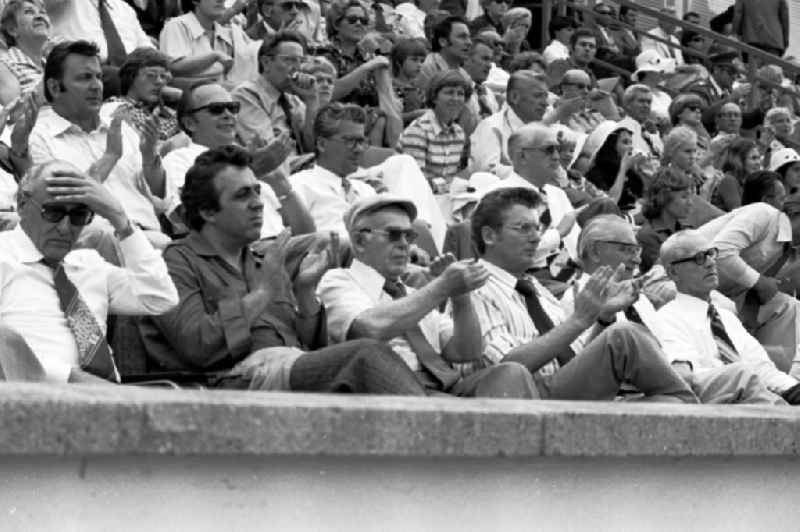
(651, 61)
(781, 158)
(375, 203)
(599, 136)
(464, 192)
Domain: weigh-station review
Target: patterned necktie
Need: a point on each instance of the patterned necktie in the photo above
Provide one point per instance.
(116, 49)
(93, 350)
(727, 351)
(426, 354)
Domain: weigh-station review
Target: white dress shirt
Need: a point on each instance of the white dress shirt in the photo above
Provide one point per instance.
(29, 302)
(80, 19)
(666, 52)
(687, 337)
(54, 137)
(177, 162)
(183, 36)
(504, 319)
(349, 292)
(554, 51)
(324, 196)
(643, 306)
(750, 239)
(559, 205)
(489, 143)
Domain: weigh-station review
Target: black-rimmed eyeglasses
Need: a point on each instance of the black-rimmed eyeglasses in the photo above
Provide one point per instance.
(699, 258)
(217, 108)
(393, 234)
(80, 215)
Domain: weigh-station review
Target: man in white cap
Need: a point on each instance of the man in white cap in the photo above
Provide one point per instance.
(650, 70)
(370, 300)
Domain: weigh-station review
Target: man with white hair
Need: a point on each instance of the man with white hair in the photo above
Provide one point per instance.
(535, 157)
(637, 101)
(700, 335)
(609, 240)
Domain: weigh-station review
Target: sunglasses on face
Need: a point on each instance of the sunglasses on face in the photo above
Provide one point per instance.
(352, 142)
(579, 86)
(694, 108)
(79, 216)
(287, 6)
(393, 234)
(352, 19)
(700, 257)
(626, 247)
(217, 108)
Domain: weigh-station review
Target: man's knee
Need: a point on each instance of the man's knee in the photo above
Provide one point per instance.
(508, 379)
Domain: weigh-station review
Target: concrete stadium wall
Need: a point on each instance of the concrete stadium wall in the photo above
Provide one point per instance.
(85, 459)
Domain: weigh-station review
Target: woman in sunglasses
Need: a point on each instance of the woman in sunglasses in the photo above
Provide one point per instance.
(364, 75)
(687, 110)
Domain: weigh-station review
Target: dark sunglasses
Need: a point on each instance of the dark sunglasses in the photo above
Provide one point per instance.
(217, 108)
(352, 19)
(580, 86)
(394, 235)
(700, 257)
(694, 108)
(287, 6)
(78, 216)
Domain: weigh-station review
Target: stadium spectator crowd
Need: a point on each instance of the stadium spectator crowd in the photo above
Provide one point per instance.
(409, 199)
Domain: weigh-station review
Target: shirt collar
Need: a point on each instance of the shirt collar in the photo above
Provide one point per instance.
(326, 175)
(500, 274)
(196, 30)
(691, 303)
(268, 88)
(368, 278)
(784, 228)
(438, 127)
(22, 247)
(58, 125)
(513, 119)
(199, 244)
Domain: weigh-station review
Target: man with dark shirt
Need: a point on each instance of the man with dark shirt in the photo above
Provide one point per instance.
(240, 320)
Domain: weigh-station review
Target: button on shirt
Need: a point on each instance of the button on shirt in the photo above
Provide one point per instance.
(504, 319)
(54, 137)
(750, 239)
(184, 37)
(687, 337)
(489, 143)
(177, 163)
(80, 19)
(323, 194)
(349, 292)
(436, 148)
(29, 302)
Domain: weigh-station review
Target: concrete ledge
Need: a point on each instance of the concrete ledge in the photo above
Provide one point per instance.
(85, 421)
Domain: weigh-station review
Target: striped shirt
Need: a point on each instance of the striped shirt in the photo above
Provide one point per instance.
(28, 73)
(503, 316)
(436, 148)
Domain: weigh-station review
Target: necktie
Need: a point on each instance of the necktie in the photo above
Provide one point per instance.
(540, 319)
(633, 316)
(426, 354)
(95, 354)
(484, 109)
(727, 351)
(116, 50)
(286, 106)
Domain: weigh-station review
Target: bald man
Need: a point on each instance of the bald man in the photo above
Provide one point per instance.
(54, 299)
(699, 333)
(609, 241)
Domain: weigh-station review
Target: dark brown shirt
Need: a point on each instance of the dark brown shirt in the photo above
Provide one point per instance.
(209, 329)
